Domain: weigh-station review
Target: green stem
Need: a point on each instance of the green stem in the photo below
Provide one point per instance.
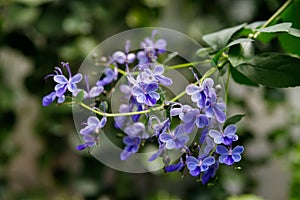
(274, 16)
(158, 108)
(187, 65)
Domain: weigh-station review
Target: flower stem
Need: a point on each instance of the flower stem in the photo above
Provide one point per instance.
(274, 16)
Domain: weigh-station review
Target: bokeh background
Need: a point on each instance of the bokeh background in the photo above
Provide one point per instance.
(38, 159)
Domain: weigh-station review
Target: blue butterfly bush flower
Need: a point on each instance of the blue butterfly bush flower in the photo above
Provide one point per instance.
(142, 90)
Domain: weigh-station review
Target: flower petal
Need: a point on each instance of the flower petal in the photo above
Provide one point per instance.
(238, 150)
(221, 149)
(60, 79)
(76, 78)
(191, 89)
(230, 130)
(209, 160)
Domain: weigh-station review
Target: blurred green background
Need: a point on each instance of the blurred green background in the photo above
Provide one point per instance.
(38, 159)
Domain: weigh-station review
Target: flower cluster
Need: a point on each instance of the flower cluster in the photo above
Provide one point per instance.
(152, 119)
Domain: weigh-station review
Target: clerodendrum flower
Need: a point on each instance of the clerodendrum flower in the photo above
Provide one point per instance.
(229, 156)
(145, 93)
(227, 137)
(63, 85)
(196, 166)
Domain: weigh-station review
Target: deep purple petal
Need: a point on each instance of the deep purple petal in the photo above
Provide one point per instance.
(228, 160)
(150, 100)
(81, 147)
(48, 99)
(195, 172)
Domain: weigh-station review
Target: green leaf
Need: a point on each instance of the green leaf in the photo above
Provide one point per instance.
(241, 78)
(239, 41)
(272, 70)
(170, 57)
(80, 96)
(282, 27)
(220, 39)
(233, 120)
(241, 53)
(290, 42)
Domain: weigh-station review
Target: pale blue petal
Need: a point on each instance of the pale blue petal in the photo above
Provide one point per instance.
(77, 78)
(60, 79)
(221, 150)
(238, 150)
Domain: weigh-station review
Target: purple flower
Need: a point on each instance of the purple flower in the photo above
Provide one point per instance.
(175, 167)
(227, 137)
(89, 141)
(145, 93)
(211, 172)
(138, 129)
(214, 108)
(151, 49)
(229, 156)
(190, 116)
(156, 75)
(64, 83)
(132, 146)
(120, 121)
(110, 76)
(48, 99)
(122, 58)
(159, 152)
(93, 125)
(196, 166)
(174, 140)
(90, 93)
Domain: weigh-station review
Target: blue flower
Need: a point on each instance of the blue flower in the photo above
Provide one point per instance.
(151, 49)
(196, 166)
(89, 141)
(93, 125)
(110, 76)
(90, 93)
(211, 172)
(138, 129)
(132, 146)
(227, 137)
(191, 117)
(122, 58)
(229, 156)
(214, 108)
(63, 84)
(145, 93)
(175, 167)
(174, 140)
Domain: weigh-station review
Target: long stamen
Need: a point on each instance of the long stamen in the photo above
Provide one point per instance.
(66, 65)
